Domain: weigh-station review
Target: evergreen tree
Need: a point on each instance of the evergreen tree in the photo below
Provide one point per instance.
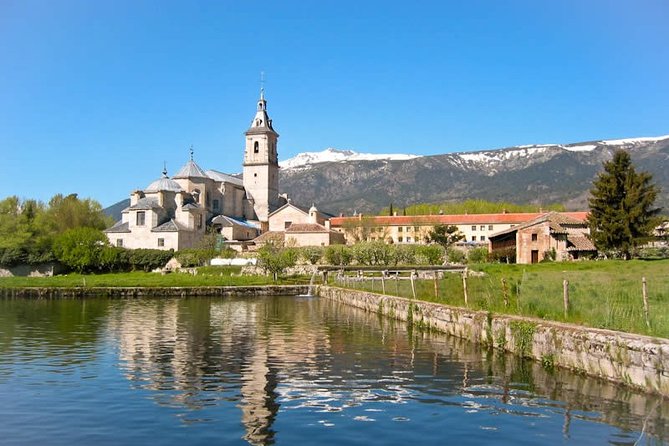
(622, 210)
(445, 235)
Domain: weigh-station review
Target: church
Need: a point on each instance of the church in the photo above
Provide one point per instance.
(174, 213)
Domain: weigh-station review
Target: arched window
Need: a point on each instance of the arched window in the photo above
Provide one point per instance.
(256, 148)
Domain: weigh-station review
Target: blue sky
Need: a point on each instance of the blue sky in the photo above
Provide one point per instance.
(95, 95)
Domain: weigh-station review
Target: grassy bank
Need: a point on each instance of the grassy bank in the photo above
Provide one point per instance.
(206, 276)
(603, 294)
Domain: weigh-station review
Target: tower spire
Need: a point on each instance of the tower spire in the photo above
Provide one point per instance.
(164, 169)
(262, 85)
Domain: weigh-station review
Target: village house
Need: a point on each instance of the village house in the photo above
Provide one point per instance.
(558, 235)
(476, 228)
(296, 226)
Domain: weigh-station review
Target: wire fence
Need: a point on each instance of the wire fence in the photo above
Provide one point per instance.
(616, 300)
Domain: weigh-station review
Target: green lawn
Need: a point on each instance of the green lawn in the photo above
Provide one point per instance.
(207, 276)
(603, 294)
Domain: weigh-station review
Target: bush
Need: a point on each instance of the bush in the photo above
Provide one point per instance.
(477, 255)
(149, 259)
(12, 256)
(189, 258)
(114, 259)
(454, 255)
(373, 253)
(429, 254)
(311, 254)
(338, 255)
(80, 248)
(506, 255)
(403, 254)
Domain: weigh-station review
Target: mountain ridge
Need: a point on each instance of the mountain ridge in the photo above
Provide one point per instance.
(345, 181)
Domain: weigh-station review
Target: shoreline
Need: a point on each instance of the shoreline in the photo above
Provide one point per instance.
(139, 291)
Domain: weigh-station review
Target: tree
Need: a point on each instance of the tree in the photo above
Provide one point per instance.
(275, 259)
(622, 210)
(444, 235)
(80, 248)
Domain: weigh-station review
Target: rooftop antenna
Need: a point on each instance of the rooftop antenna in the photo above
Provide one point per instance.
(191, 152)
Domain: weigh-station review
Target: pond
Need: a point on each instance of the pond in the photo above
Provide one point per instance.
(285, 370)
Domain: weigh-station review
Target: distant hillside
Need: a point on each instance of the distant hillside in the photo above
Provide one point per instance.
(542, 174)
(536, 174)
(115, 210)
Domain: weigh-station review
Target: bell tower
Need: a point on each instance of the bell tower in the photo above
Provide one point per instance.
(261, 165)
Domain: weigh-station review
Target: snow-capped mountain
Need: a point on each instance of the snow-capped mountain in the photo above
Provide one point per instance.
(341, 181)
(329, 155)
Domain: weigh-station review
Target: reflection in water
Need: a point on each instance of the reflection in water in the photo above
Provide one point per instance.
(294, 370)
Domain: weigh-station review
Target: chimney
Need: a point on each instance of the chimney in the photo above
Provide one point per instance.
(135, 196)
(394, 213)
(327, 225)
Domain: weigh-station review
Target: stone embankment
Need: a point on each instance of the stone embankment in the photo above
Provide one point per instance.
(637, 361)
(135, 292)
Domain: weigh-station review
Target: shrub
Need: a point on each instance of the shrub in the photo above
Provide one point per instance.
(80, 248)
(12, 256)
(477, 255)
(114, 259)
(311, 254)
(373, 253)
(506, 255)
(189, 258)
(338, 255)
(404, 254)
(455, 255)
(149, 259)
(429, 254)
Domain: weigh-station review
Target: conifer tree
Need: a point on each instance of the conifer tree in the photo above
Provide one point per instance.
(622, 210)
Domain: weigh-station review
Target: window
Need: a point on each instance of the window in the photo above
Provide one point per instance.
(483, 238)
(408, 229)
(199, 221)
(416, 228)
(287, 224)
(408, 239)
(256, 149)
(534, 237)
(489, 227)
(216, 205)
(119, 242)
(399, 239)
(208, 200)
(141, 218)
(161, 242)
(474, 228)
(400, 229)
(482, 227)
(473, 238)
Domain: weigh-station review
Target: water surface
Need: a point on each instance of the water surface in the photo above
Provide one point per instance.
(284, 370)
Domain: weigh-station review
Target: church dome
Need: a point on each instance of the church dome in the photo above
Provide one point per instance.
(164, 183)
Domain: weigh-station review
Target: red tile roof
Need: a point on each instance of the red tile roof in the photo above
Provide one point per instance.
(458, 219)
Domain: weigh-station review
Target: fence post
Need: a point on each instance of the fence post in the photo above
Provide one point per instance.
(397, 283)
(436, 285)
(464, 285)
(565, 296)
(505, 293)
(383, 281)
(413, 285)
(645, 301)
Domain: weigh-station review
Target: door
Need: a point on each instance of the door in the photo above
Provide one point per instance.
(535, 256)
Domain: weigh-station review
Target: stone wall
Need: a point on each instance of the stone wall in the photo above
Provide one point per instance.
(638, 361)
(42, 270)
(134, 292)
